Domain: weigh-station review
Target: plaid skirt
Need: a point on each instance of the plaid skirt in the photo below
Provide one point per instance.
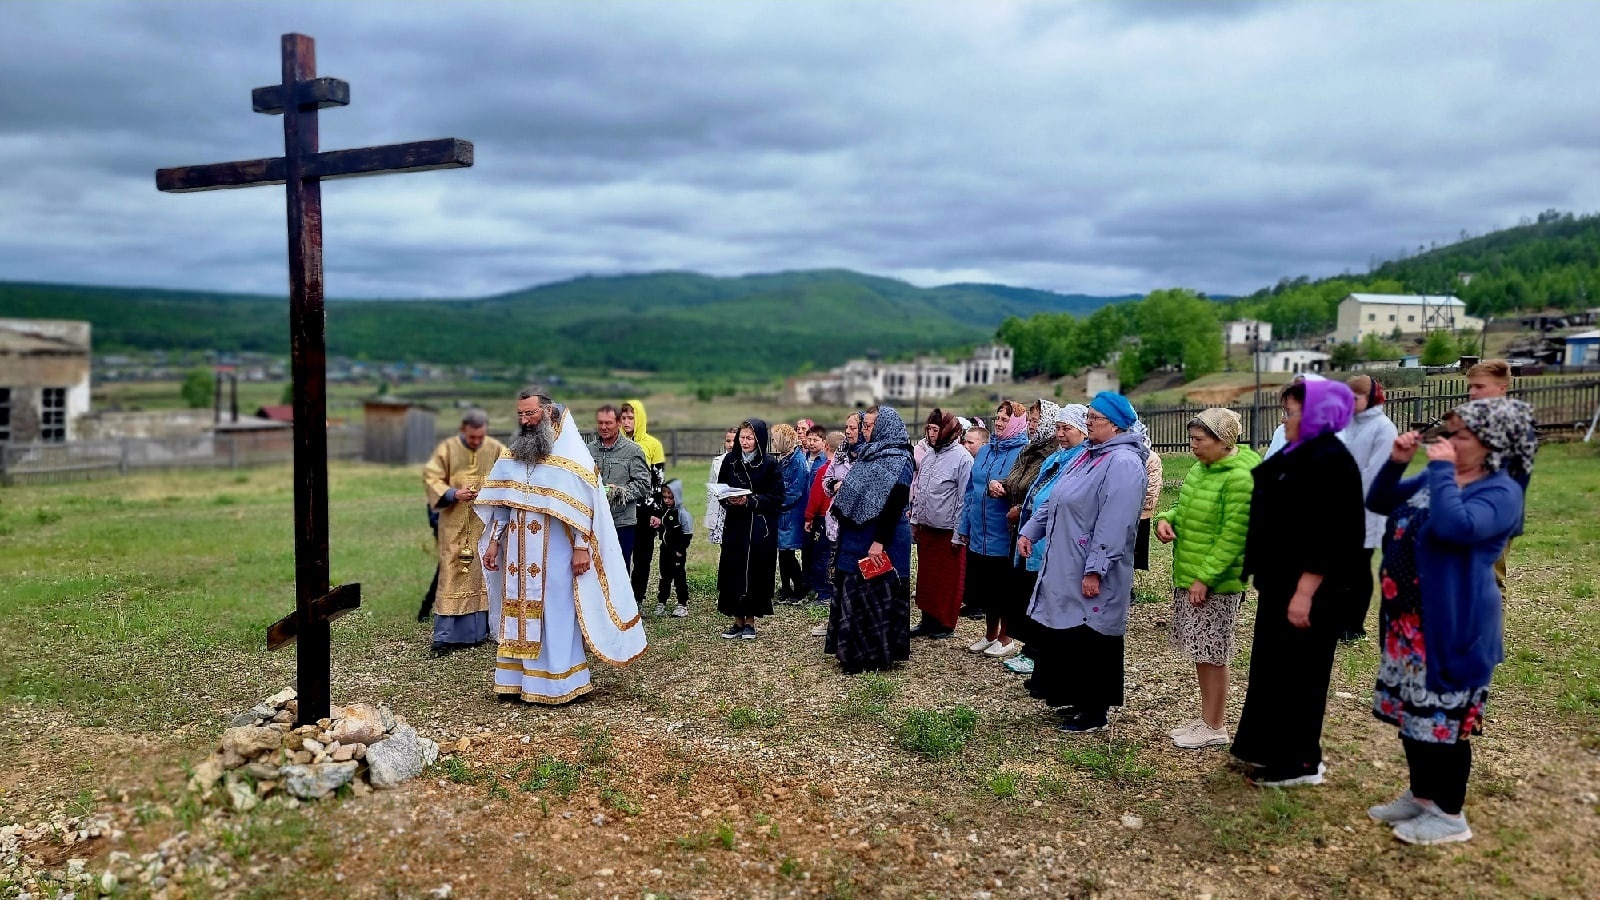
(870, 621)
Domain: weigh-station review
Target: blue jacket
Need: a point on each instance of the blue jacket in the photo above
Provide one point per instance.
(982, 523)
(1456, 552)
(1054, 466)
(796, 490)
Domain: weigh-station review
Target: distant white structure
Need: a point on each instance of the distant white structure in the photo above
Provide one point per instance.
(1097, 380)
(44, 379)
(1246, 331)
(1383, 314)
(1294, 361)
(1583, 349)
(862, 382)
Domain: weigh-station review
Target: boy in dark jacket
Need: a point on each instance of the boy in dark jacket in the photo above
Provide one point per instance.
(677, 530)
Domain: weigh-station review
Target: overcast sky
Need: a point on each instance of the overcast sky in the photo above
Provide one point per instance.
(1094, 147)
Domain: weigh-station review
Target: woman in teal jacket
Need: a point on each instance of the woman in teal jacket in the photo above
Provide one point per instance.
(1209, 525)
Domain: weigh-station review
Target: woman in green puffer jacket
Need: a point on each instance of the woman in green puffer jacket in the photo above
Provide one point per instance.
(1209, 525)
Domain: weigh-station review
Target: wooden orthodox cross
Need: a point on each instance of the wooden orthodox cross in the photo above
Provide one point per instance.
(301, 170)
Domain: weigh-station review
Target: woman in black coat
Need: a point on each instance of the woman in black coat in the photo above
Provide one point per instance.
(749, 562)
(1307, 527)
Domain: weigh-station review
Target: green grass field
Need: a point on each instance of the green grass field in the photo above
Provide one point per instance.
(133, 612)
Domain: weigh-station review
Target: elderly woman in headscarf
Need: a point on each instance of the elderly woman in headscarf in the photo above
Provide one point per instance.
(1152, 499)
(1442, 631)
(1209, 524)
(1071, 430)
(870, 623)
(1042, 442)
(940, 484)
(1080, 602)
(844, 458)
(1370, 437)
(796, 474)
(749, 561)
(1306, 527)
(983, 528)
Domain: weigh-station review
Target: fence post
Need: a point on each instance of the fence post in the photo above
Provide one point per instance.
(122, 460)
(5, 465)
(672, 442)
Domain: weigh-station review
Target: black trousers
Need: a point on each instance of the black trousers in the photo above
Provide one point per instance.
(674, 575)
(644, 549)
(1360, 599)
(1439, 772)
(792, 583)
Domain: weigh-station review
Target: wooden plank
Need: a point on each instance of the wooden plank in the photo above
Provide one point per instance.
(345, 598)
(323, 92)
(417, 156)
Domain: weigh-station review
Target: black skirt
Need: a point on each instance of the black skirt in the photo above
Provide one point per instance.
(1141, 546)
(1014, 612)
(1077, 667)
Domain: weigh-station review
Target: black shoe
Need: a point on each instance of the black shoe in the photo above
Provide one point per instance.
(734, 631)
(426, 611)
(439, 650)
(748, 633)
(924, 627)
(970, 612)
(1084, 722)
(939, 633)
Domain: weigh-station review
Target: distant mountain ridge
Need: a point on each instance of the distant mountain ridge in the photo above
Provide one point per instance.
(669, 322)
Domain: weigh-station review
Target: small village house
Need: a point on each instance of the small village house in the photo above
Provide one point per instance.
(44, 379)
(1246, 331)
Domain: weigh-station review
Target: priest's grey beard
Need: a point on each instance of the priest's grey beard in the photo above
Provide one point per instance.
(534, 443)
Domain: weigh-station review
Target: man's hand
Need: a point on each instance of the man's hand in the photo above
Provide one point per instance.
(1164, 532)
(491, 557)
(1198, 592)
(466, 495)
(1091, 586)
(580, 560)
(1300, 610)
(1024, 547)
(655, 521)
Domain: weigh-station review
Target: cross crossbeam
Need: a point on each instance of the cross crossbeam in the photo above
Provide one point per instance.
(301, 170)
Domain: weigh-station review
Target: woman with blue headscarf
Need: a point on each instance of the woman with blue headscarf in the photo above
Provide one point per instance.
(870, 622)
(1080, 602)
(1307, 525)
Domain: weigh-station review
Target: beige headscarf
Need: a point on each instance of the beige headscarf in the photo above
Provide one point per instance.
(1222, 422)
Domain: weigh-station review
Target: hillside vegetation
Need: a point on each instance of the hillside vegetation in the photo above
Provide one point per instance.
(676, 322)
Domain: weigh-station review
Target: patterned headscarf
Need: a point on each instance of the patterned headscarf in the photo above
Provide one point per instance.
(1143, 432)
(783, 439)
(1505, 426)
(882, 459)
(1047, 419)
(1223, 423)
(1076, 415)
(1328, 408)
(950, 429)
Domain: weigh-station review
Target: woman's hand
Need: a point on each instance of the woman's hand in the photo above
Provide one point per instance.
(875, 553)
(1405, 447)
(1442, 451)
(1013, 514)
(1091, 586)
(1198, 593)
(1300, 610)
(1164, 532)
(737, 501)
(1024, 547)
(997, 489)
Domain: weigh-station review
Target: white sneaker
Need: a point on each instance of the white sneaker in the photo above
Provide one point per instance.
(998, 650)
(661, 609)
(821, 629)
(1200, 737)
(1402, 808)
(680, 612)
(1186, 727)
(980, 646)
(1434, 826)
(1310, 779)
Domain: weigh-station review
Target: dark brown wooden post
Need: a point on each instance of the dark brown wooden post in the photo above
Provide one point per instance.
(300, 170)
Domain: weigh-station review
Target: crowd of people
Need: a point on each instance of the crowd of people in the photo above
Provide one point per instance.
(1034, 522)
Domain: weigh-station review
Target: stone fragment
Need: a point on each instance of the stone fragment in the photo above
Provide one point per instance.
(389, 719)
(344, 754)
(360, 788)
(361, 724)
(241, 795)
(397, 759)
(311, 746)
(261, 771)
(360, 751)
(284, 717)
(249, 741)
(1132, 821)
(430, 752)
(315, 782)
(264, 788)
(206, 774)
(230, 760)
(282, 697)
(301, 758)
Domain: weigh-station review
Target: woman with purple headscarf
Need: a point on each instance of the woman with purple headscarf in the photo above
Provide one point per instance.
(1307, 525)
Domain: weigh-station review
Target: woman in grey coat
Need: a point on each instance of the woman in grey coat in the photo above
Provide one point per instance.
(1080, 603)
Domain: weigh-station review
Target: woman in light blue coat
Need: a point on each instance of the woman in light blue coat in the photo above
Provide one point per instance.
(1080, 603)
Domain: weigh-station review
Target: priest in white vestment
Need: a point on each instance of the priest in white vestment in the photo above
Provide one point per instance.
(557, 580)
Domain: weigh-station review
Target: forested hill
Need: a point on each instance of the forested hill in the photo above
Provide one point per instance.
(672, 322)
(1550, 261)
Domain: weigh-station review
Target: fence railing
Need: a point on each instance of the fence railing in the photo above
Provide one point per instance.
(81, 460)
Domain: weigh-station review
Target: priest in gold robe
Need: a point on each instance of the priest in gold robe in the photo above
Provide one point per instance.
(558, 582)
(452, 477)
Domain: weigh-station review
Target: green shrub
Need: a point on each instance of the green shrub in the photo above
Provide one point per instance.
(938, 734)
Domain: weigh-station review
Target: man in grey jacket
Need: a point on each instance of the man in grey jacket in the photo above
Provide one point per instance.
(623, 472)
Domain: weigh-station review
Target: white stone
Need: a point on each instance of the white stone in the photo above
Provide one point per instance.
(282, 697)
(396, 760)
(241, 794)
(360, 724)
(1344, 695)
(1132, 821)
(312, 782)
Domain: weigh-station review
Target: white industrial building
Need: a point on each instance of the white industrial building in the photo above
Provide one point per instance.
(1383, 314)
(1246, 331)
(862, 382)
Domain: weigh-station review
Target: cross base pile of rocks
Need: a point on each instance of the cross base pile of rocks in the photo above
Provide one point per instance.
(359, 745)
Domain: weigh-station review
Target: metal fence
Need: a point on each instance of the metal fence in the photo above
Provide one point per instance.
(81, 460)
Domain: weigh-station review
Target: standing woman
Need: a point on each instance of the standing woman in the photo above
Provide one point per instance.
(983, 527)
(1080, 601)
(714, 511)
(1071, 432)
(796, 474)
(1209, 524)
(1370, 438)
(872, 617)
(1152, 500)
(749, 559)
(939, 486)
(844, 459)
(1041, 444)
(1441, 620)
(1306, 528)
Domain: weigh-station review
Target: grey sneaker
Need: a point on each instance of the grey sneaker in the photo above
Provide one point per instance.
(748, 633)
(1400, 809)
(820, 629)
(1201, 736)
(1434, 827)
(661, 609)
(680, 612)
(1186, 727)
